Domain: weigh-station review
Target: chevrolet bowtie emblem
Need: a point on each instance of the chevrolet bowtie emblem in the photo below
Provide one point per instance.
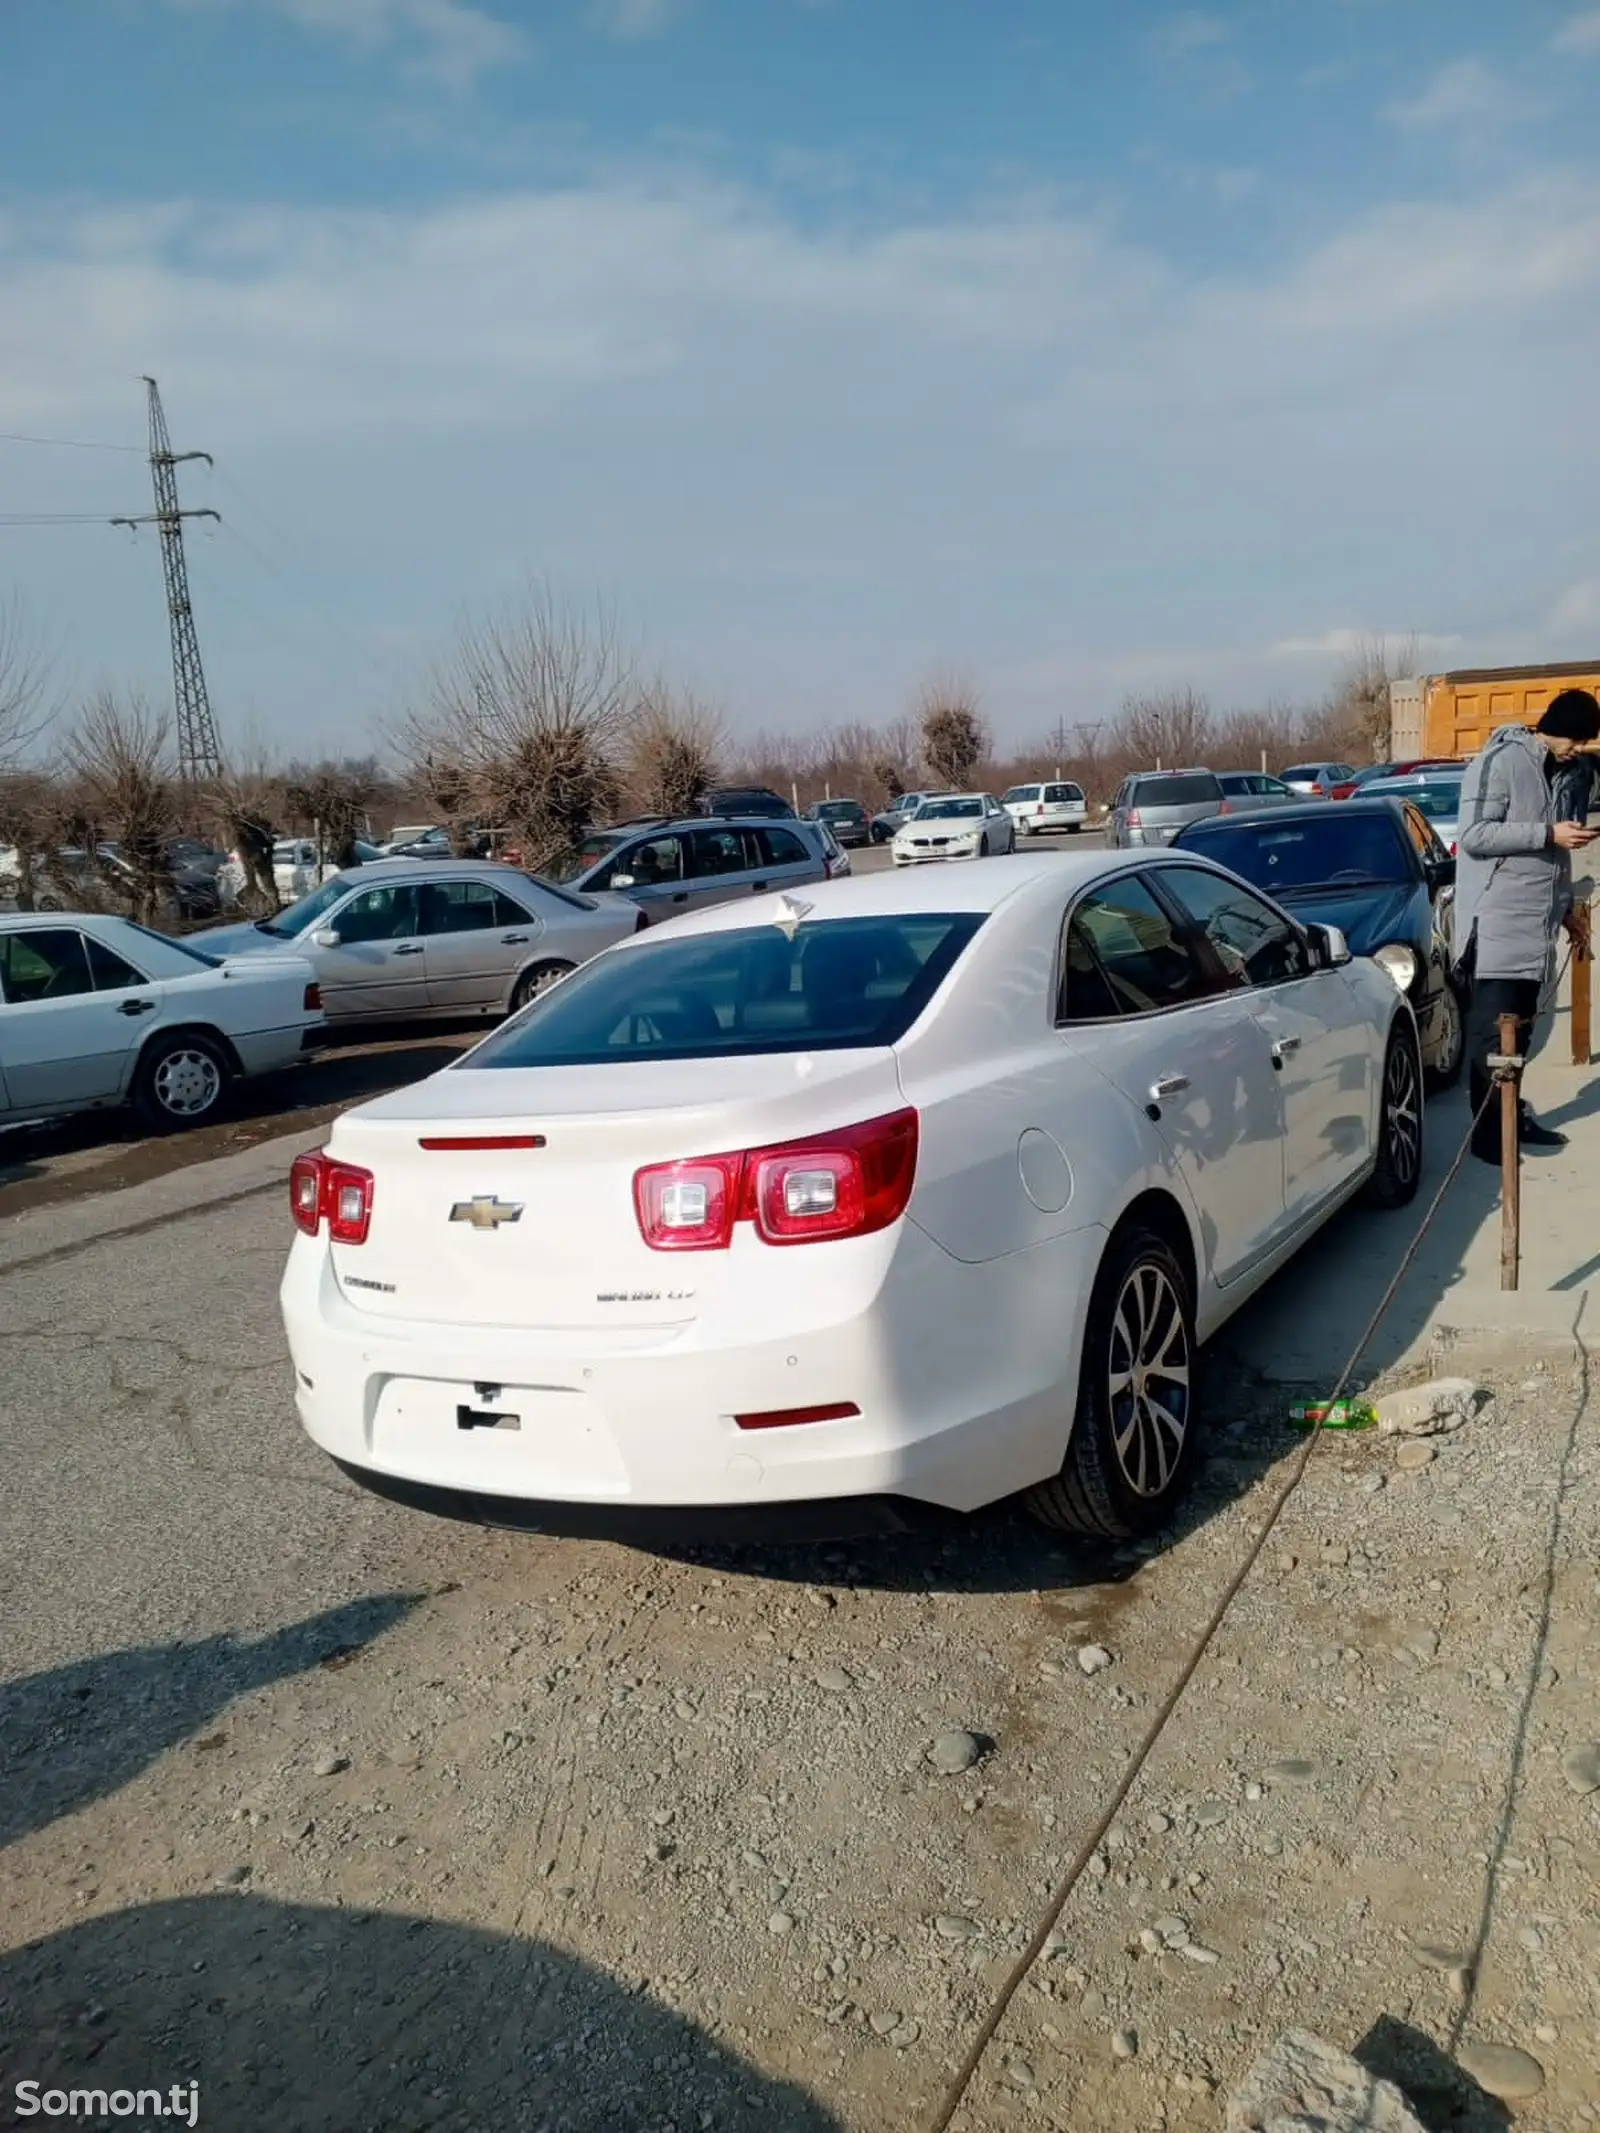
(487, 1211)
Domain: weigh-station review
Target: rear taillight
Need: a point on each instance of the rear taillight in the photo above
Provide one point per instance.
(641, 922)
(1039, 810)
(845, 1184)
(313, 1000)
(1225, 809)
(340, 1194)
(1133, 819)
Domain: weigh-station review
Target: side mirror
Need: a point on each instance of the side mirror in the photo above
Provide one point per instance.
(622, 881)
(1333, 950)
(325, 937)
(1441, 873)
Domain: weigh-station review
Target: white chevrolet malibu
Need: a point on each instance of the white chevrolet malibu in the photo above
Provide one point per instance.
(802, 1213)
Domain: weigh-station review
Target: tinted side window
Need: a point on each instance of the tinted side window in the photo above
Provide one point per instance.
(44, 963)
(718, 851)
(1146, 963)
(457, 907)
(1254, 944)
(508, 912)
(108, 969)
(781, 848)
(1085, 994)
(653, 860)
(1422, 836)
(380, 915)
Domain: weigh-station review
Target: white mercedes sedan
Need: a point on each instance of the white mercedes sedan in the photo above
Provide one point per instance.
(802, 1214)
(95, 1011)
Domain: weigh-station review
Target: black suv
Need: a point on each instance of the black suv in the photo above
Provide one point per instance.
(747, 800)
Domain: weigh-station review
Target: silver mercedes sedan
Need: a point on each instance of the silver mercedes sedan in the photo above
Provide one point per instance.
(404, 940)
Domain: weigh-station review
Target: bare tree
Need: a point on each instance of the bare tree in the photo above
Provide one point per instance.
(674, 746)
(1357, 710)
(954, 733)
(31, 804)
(331, 799)
(24, 679)
(530, 712)
(1168, 729)
(119, 755)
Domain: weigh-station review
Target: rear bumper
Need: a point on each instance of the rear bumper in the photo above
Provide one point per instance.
(264, 1051)
(569, 1432)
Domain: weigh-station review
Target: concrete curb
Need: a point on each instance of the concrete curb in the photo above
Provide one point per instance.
(45, 1232)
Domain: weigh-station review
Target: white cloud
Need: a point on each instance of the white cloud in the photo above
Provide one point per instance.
(446, 41)
(1462, 92)
(1580, 33)
(1346, 643)
(1180, 36)
(631, 20)
(810, 458)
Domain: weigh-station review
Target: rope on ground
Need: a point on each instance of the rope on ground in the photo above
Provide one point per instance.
(1057, 1903)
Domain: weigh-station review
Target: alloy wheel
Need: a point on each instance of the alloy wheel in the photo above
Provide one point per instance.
(1402, 1111)
(1149, 1379)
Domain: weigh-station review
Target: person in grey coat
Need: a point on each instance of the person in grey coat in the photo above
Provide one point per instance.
(1514, 890)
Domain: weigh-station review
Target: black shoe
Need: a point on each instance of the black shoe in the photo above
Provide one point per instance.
(1532, 1135)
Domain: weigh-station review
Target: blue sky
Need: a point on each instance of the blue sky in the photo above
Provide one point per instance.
(1083, 348)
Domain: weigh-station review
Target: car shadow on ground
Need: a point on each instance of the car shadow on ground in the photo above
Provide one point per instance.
(325, 2020)
(76, 1733)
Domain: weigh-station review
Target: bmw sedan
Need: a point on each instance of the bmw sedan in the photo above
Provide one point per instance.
(958, 825)
(404, 940)
(1377, 870)
(807, 1213)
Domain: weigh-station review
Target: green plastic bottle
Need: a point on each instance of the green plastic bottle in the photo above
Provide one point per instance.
(1337, 1414)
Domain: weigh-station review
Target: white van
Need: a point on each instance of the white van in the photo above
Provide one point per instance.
(1036, 809)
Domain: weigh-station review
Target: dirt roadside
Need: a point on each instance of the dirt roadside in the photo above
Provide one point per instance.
(706, 1784)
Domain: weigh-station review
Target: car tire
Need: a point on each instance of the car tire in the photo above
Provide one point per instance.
(1128, 1458)
(1451, 1057)
(1397, 1171)
(983, 845)
(1073, 828)
(536, 981)
(1025, 829)
(181, 1082)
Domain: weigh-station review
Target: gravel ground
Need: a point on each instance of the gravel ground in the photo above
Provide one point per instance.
(364, 1820)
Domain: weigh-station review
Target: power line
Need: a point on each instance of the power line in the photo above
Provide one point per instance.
(67, 444)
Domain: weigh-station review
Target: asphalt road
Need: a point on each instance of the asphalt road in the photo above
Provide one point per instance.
(104, 1151)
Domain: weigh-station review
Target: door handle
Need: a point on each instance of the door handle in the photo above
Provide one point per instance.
(515, 940)
(682, 897)
(756, 887)
(1168, 1085)
(409, 948)
(137, 1007)
(1282, 1048)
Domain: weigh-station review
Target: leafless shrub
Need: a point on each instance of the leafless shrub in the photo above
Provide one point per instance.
(954, 733)
(531, 713)
(118, 756)
(1165, 730)
(24, 681)
(30, 829)
(674, 748)
(330, 800)
(1357, 710)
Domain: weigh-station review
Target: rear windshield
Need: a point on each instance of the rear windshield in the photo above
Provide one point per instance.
(1179, 790)
(1440, 803)
(1343, 849)
(846, 983)
(838, 810)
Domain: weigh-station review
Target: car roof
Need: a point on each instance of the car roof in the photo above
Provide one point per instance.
(382, 870)
(661, 824)
(1271, 818)
(1039, 877)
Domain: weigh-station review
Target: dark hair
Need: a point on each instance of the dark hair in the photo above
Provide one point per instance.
(1572, 716)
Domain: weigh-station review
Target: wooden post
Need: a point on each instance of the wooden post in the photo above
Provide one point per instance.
(1582, 969)
(1510, 1165)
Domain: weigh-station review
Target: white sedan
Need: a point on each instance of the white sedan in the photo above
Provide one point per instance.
(799, 1215)
(957, 825)
(96, 1011)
